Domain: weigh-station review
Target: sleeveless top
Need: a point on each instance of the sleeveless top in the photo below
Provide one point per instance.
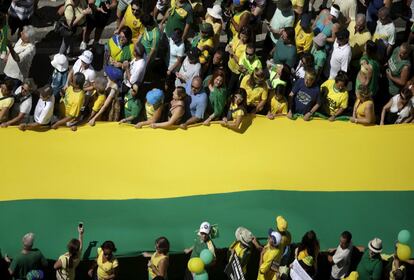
(155, 260)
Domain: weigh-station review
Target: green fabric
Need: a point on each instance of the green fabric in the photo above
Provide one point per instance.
(176, 21)
(3, 38)
(369, 269)
(251, 66)
(126, 54)
(218, 100)
(395, 64)
(198, 246)
(148, 39)
(22, 264)
(322, 116)
(319, 58)
(284, 54)
(133, 106)
(373, 84)
(136, 223)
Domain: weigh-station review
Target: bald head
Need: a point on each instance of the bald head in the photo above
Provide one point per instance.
(196, 84)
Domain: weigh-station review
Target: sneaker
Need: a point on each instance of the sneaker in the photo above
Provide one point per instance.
(82, 46)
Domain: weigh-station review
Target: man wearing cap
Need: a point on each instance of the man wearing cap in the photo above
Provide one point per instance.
(201, 243)
(204, 42)
(190, 68)
(196, 103)
(243, 245)
(270, 257)
(84, 65)
(304, 34)
(370, 265)
(341, 54)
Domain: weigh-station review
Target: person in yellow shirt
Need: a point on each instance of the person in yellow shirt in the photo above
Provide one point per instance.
(256, 89)
(72, 102)
(131, 19)
(241, 17)
(237, 110)
(270, 257)
(278, 102)
(98, 96)
(335, 95)
(359, 35)
(236, 49)
(106, 265)
(153, 107)
(214, 17)
(204, 43)
(304, 34)
(364, 107)
(158, 264)
(282, 228)
(6, 99)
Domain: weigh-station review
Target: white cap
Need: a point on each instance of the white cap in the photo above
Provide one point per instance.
(215, 12)
(60, 62)
(87, 57)
(205, 227)
(276, 237)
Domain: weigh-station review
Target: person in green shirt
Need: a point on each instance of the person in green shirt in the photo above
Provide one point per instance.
(132, 107)
(398, 70)
(370, 265)
(151, 37)
(369, 59)
(285, 49)
(218, 95)
(28, 260)
(178, 16)
(319, 53)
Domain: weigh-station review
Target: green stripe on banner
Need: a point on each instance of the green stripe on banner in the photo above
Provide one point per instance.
(134, 224)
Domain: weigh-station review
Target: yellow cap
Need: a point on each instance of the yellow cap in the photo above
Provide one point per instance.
(281, 224)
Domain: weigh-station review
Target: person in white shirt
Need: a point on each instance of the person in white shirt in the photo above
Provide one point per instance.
(283, 17)
(341, 259)
(23, 103)
(341, 54)
(134, 70)
(83, 65)
(44, 110)
(385, 31)
(20, 57)
(189, 69)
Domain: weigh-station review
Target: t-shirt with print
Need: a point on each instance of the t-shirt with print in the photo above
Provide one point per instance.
(304, 98)
(335, 99)
(179, 17)
(73, 102)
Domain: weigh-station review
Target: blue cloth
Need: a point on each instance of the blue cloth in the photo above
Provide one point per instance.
(58, 82)
(155, 96)
(305, 98)
(196, 103)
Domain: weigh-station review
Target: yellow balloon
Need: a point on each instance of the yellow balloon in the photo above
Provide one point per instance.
(403, 252)
(195, 265)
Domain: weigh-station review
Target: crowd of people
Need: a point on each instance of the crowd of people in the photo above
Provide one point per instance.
(344, 62)
(280, 258)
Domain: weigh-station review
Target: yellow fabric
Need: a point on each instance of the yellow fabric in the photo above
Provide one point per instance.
(278, 107)
(116, 52)
(7, 102)
(150, 110)
(238, 49)
(236, 19)
(358, 40)
(134, 23)
(254, 94)
(240, 250)
(357, 141)
(73, 102)
(236, 114)
(335, 100)
(298, 3)
(99, 102)
(105, 269)
(155, 260)
(360, 113)
(303, 40)
(302, 254)
(205, 55)
(270, 255)
(216, 28)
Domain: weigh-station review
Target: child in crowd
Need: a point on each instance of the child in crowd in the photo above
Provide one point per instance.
(278, 102)
(236, 111)
(158, 264)
(106, 264)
